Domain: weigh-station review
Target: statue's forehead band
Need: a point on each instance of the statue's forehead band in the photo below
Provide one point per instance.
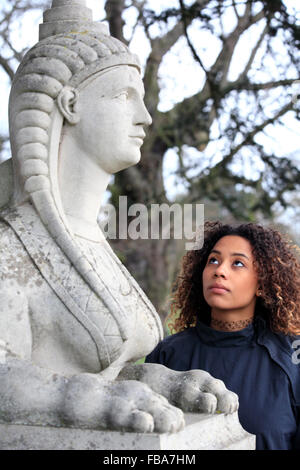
(102, 64)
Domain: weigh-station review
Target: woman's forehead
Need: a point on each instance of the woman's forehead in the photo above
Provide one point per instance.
(234, 243)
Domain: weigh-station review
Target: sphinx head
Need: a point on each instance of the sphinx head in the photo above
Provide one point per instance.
(77, 78)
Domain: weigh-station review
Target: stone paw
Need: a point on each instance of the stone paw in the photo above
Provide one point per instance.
(144, 410)
(196, 390)
(129, 405)
(228, 402)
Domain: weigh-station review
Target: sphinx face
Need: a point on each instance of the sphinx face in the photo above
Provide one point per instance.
(111, 119)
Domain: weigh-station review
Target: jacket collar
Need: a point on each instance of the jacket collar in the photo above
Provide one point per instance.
(280, 349)
(224, 339)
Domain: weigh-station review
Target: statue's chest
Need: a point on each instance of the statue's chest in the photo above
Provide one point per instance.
(115, 279)
(89, 315)
(74, 329)
(81, 335)
(104, 325)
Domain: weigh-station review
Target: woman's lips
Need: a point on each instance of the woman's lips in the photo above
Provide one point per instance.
(218, 289)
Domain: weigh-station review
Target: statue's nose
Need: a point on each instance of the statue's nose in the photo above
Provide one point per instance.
(143, 116)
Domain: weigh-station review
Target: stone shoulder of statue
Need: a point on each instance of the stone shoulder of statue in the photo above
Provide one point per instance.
(73, 321)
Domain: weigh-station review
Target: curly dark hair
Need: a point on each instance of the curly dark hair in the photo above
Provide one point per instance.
(278, 269)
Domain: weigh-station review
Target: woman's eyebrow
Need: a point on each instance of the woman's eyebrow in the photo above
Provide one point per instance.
(231, 254)
(239, 254)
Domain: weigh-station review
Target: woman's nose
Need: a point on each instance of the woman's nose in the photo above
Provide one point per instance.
(220, 271)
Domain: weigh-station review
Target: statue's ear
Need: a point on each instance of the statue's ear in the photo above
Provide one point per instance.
(67, 104)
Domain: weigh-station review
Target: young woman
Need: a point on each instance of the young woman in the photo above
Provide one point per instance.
(236, 312)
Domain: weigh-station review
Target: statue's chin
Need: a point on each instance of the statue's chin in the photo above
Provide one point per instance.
(123, 164)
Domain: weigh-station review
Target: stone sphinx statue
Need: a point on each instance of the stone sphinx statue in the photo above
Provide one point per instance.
(73, 321)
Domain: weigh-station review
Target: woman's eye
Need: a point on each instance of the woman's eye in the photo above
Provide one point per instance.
(212, 260)
(238, 263)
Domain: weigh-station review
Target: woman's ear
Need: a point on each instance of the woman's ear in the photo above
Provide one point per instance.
(67, 104)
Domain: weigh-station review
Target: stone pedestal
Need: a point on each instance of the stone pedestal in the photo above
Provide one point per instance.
(202, 432)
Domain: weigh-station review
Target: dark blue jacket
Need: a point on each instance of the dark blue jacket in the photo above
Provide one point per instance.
(258, 365)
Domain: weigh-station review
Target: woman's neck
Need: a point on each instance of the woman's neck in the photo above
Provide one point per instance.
(230, 325)
(232, 320)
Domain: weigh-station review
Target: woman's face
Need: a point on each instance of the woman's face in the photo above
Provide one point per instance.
(112, 118)
(230, 281)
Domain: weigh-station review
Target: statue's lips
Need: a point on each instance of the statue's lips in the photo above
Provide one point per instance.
(138, 138)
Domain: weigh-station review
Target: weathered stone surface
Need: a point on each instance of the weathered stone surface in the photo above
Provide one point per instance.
(6, 182)
(71, 316)
(202, 432)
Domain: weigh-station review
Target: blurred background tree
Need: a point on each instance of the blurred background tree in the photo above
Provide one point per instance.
(223, 141)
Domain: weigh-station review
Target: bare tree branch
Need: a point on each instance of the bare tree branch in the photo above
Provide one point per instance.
(5, 65)
(223, 61)
(160, 46)
(114, 10)
(18, 55)
(246, 85)
(9, 13)
(250, 135)
(254, 51)
(235, 9)
(185, 27)
(190, 122)
(215, 87)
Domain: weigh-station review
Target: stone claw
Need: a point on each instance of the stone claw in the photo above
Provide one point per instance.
(228, 402)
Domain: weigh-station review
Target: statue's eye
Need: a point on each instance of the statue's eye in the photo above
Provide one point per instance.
(122, 96)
